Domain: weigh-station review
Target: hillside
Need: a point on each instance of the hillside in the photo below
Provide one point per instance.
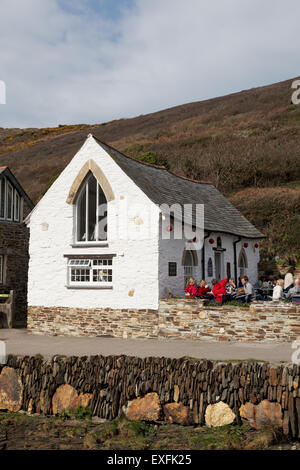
(246, 143)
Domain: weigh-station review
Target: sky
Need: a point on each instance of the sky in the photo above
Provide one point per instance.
(92, 61)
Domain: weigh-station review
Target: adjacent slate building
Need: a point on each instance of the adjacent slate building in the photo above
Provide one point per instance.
(97, 250)
(14, 238)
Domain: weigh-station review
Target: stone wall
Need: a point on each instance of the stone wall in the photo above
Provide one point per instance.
(262, 321)
(93, 322)
(14, 248)
(176, 318)
(182, 391)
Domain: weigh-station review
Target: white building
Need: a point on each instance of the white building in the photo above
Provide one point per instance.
(80, 260)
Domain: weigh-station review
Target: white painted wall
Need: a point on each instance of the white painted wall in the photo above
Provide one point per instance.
(252, 254)
(136, 263)
(140, 264)
(172, 250)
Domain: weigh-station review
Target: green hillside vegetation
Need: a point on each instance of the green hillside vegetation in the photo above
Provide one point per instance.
(246, 143)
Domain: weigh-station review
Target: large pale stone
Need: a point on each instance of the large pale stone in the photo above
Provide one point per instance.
(219, 414)
(11, 390)
(178, 413)
(67, 399)
(176, 393)
(147, 408)
(265, 413)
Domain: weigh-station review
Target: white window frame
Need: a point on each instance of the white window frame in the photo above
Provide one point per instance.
(17, 198)
(97, 241)
(4, 188)
(189, 269)
(9, 185)
(90, 264)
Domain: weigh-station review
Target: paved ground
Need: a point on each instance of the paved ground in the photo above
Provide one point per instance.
(24, 343)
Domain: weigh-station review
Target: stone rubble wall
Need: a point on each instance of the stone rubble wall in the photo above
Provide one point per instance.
(177, 390)
(14, 239)
(176, 318)
(262, 321)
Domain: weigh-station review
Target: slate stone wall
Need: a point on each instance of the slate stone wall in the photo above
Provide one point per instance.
(176, 318)
(113, 381)
(14, 239)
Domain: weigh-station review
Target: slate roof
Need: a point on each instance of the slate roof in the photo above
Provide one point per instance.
(164, 187)
(5, 171)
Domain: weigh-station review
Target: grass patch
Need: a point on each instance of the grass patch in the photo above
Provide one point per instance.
(82, 412)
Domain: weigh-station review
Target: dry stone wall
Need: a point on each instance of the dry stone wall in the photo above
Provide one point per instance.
(177, 390)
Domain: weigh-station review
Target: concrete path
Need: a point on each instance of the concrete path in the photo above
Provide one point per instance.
(25, 343)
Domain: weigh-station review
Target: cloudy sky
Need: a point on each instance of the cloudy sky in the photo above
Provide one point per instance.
(91, 61)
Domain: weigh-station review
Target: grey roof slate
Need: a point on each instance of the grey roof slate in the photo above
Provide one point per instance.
(163, 187)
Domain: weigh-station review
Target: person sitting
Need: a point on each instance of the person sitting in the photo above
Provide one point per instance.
(294, 291)
(219, 289)
(272, 281)
(266, 283)
(259, 283)
(248, 288)
(278, 290)
(204, 290)
(191, 288)
(231, 288)
(289, 280)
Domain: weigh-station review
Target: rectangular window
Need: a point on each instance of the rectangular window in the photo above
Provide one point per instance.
(90, 272)
(17, 207)
(172, 269)
(10, 201)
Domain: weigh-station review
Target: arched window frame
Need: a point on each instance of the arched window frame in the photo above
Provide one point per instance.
(189, 269)
(242, 262)
(84, 192)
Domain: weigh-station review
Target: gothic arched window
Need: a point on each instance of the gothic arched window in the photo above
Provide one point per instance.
(91, 212)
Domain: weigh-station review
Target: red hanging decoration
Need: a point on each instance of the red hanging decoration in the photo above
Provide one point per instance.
(246, 245)
(170, 228)
(211, 241)
(256, 245)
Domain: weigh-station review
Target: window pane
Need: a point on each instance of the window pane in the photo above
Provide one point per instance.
(9, 201)
(102, 215)
(188, 261)
(2, 198)
(17, 207)
(81, 216)
(92, 209)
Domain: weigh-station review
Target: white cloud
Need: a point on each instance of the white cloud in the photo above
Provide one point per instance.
(71, 66)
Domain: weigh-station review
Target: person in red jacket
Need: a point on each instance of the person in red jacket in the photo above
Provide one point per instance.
(191, 288)
(219, 289)
(203, 290)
